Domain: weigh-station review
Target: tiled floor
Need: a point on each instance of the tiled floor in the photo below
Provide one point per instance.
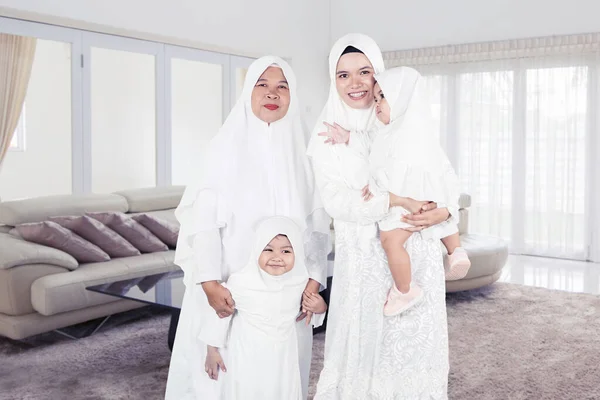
(552, 273)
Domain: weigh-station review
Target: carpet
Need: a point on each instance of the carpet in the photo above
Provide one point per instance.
(506, 342)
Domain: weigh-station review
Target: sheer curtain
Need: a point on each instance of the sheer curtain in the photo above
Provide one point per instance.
(519, 121)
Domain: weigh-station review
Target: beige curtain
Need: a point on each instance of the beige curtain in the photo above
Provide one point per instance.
(16, 59)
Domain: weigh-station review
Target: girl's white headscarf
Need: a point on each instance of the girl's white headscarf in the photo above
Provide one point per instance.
(335, 109)
(267, 302)
(410, 110)
(255, 170)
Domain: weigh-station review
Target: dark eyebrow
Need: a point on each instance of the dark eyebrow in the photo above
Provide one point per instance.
(345, 72)
(264, 80)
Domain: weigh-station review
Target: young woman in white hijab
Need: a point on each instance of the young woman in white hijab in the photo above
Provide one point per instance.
(369, 356)
(255, 167)
(253, 355)
(406, 158)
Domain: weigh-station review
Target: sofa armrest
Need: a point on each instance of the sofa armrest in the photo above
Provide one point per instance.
(15, 251)
(464, 202)
(15, 286)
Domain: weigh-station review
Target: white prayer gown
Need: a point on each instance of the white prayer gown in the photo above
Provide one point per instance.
(252, 170)
(258, 343)
(369, 356)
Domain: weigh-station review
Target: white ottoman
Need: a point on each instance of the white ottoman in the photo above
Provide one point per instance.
(488, 256)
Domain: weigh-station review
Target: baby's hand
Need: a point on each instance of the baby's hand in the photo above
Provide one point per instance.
(414, 206)
(366, 193)
(335, 134)
(214, 361)
(313, 302)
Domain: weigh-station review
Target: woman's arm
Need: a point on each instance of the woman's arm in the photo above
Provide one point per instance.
(208, 254)
(340, 201)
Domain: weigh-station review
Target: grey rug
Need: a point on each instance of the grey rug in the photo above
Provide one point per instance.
(506, 342)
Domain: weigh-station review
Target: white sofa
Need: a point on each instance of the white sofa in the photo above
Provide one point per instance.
(40, 288)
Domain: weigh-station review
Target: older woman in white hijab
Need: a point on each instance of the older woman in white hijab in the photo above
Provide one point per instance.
(369, 356)
(255, 167)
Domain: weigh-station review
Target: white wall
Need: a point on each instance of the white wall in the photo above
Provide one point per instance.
(295, 29)
(397, 25)
(45, 167)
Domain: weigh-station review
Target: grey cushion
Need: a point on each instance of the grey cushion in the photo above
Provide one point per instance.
(41, 208)
(134, 232)
(150, 199)
(99, 234)
(167, 215)
(166, 231)
(15, 251)
(51, 234)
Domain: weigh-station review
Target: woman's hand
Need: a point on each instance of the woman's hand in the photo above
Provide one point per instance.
(335, 134)
(219, 298)
(431, 215)
(311, 287)
(213, 362)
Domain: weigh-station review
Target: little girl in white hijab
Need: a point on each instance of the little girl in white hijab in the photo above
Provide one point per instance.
(253, 354)
(406, 159)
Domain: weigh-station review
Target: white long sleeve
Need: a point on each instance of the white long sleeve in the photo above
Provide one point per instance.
(214, 331)
(318, 319)
(207, 243)
(317, 246)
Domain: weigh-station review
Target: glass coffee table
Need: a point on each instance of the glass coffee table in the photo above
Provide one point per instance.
(163, 290)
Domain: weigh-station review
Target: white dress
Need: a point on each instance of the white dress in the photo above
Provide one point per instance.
(369, 356)
(259, 344)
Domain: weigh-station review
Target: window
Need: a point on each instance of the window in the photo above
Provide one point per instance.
(520, 134)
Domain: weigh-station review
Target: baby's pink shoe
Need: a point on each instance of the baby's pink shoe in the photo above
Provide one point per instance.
(398, 302)
(459, 264)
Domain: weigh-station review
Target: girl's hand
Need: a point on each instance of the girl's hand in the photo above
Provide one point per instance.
(314, 303)
(213, 362)
(335, 134)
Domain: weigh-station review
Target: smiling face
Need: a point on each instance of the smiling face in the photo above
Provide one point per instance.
(354, 80)
(271, 96)
(382, 108)
(277, 257)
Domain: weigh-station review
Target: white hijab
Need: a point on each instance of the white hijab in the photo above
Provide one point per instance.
(335, 109)
(410, 117)
(255, 170)
(271, 303)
